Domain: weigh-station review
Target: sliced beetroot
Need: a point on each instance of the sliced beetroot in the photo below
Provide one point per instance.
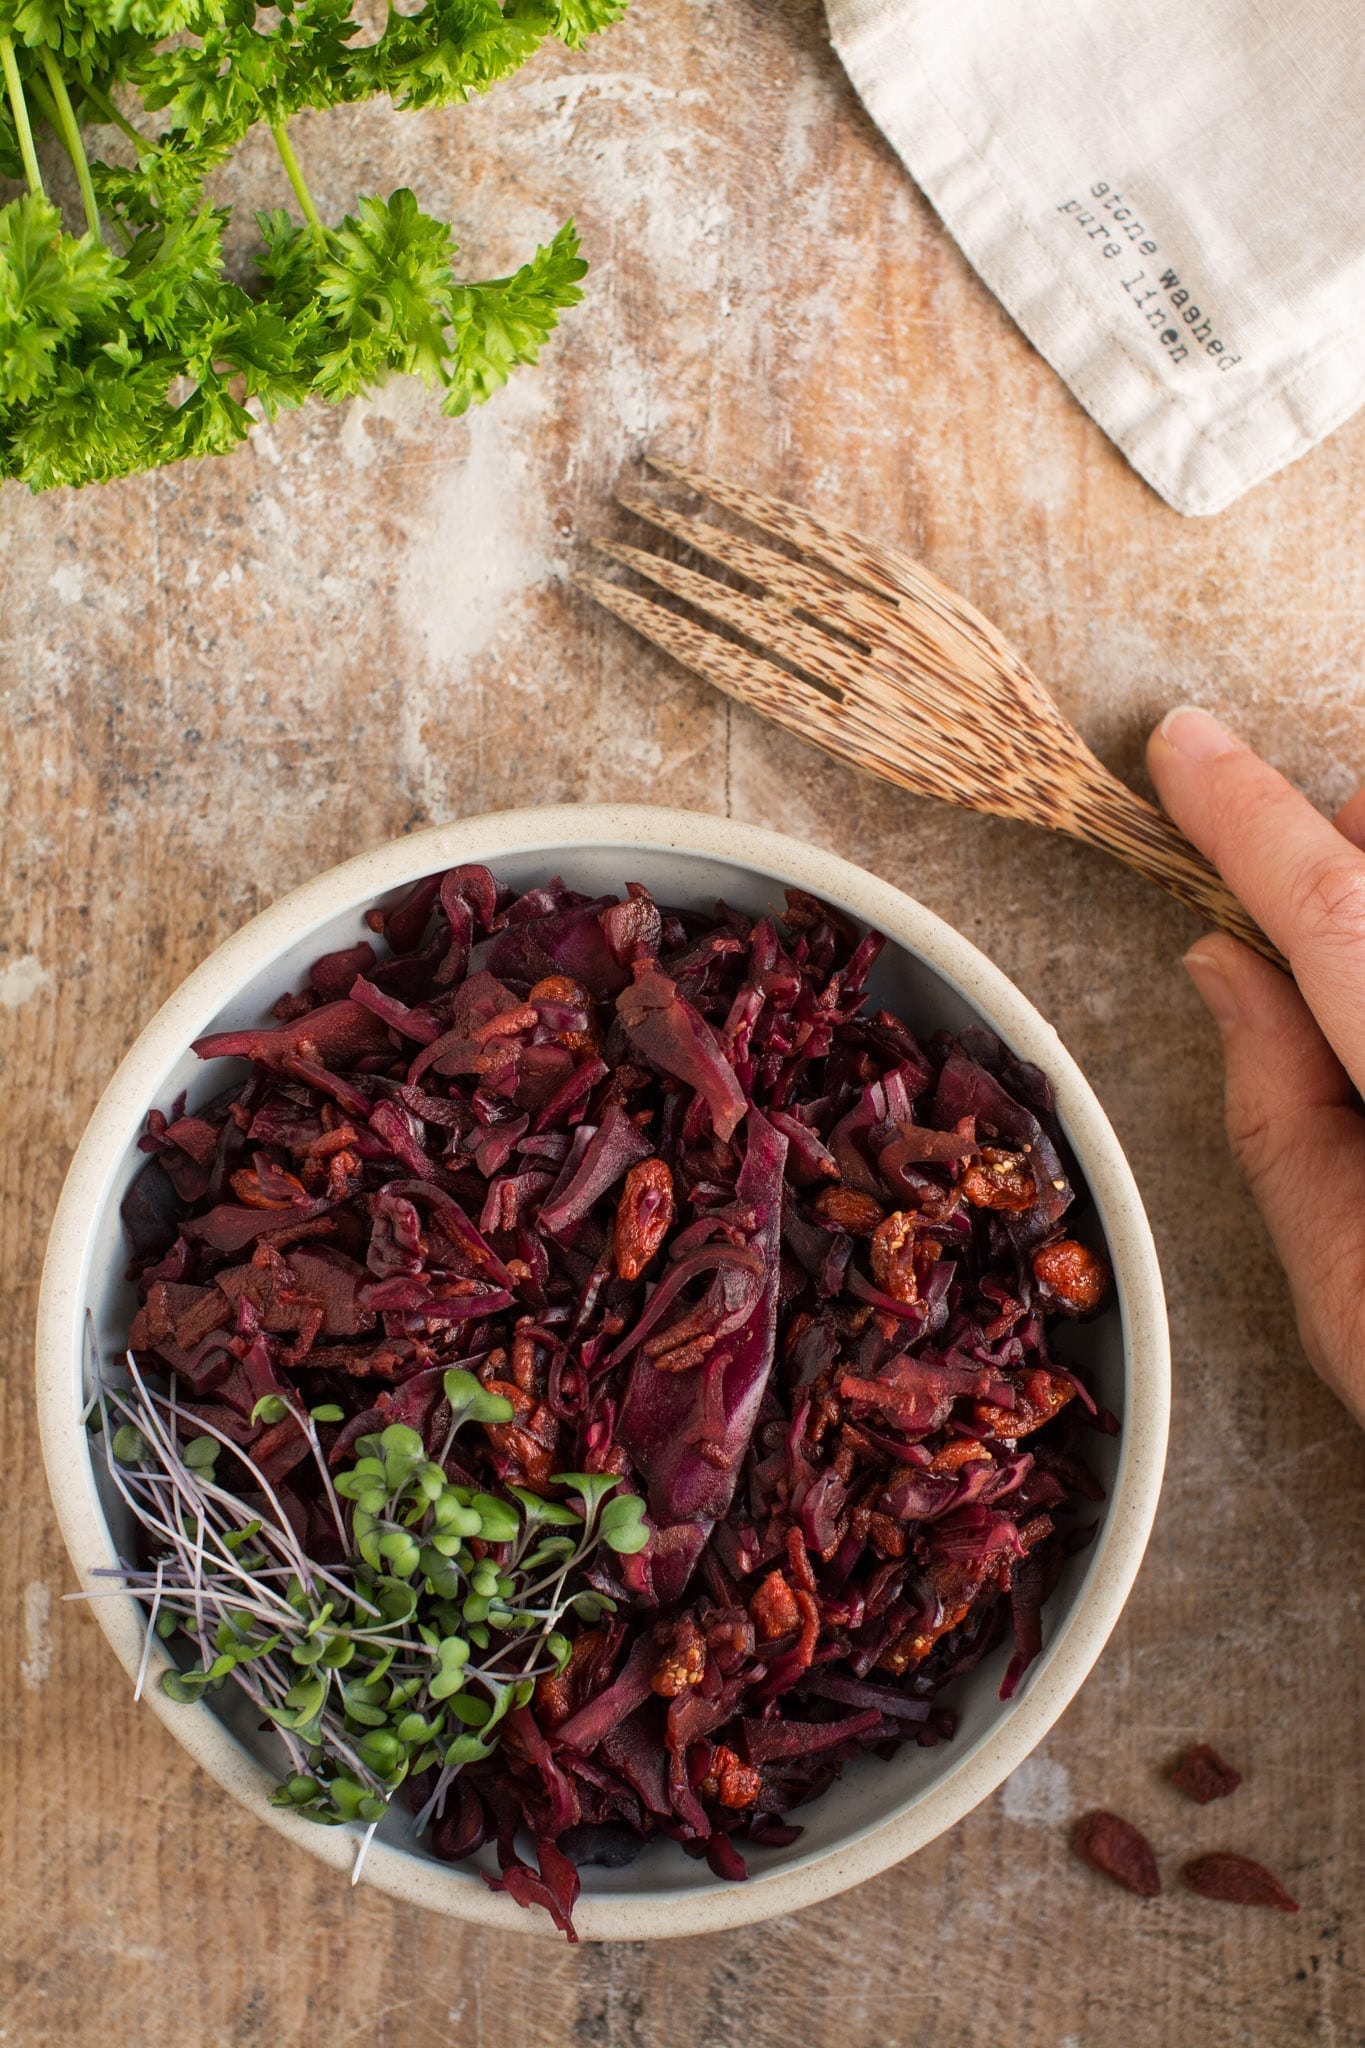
(773, 1741)
(705, 1222)
(609, 1154)
(337, 1034)
(674, 1037)
(690, 1430)
(331, 975)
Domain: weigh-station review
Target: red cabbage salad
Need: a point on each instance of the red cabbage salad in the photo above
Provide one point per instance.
(593, 1375)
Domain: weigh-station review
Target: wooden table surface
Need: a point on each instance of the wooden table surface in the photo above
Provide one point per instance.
(224, 678)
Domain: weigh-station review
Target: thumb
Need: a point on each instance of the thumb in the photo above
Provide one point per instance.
(1293, 1123)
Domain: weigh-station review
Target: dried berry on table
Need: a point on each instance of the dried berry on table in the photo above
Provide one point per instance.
(1237, 1881)
(1203, 1775)
(1116, 1849)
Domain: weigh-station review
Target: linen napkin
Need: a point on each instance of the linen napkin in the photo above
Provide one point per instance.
(1167, 195)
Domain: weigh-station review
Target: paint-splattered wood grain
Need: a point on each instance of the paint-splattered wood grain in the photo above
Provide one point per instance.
(221, 679)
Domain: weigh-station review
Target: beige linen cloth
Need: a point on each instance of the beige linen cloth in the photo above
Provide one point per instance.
(1168, 196)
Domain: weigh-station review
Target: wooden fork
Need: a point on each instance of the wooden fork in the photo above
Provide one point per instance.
(884, 666)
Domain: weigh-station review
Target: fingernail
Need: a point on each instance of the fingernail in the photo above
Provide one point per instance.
(1196, 734)
(1216, 991)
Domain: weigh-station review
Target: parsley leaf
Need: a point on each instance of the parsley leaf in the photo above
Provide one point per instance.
(129, 345)
(501, 324)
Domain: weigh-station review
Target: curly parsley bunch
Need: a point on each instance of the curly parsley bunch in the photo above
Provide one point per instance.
(128, 346)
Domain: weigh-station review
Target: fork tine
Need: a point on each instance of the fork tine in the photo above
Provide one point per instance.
(839, 550)
(855, 611)
(853, 731)
(746, 677)
(889, 573)
(767, 624)
(915, 664)
(798, 581)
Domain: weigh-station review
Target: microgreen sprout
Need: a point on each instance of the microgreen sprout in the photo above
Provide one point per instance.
(403, 1659)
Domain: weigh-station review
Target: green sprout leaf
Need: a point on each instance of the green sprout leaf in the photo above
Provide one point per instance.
(469, 1402)
(472, 1710)
(130, 1446)
(499, 1522)
(590, 1607)
(296, 1791)
(622, 1524)
(557, 1514)
(466, 1749)
(592, 1488)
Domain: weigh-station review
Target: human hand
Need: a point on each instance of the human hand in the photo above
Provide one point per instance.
(1294, 1051)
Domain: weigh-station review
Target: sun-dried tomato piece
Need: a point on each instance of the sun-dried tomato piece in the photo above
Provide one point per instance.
(529, 1439)
(643, 1216)
(733, 1783)
(892, 1256)
(1237, 1881)
(858, 1214)
(682, 1357)
(524, 1356)
(1204, 1775)
(266, 1186)
(1041, 1395)
(1075, 1277)
(560, 1693)
(963, 1450)
(562, 988)
(887, 1533)
(774, 1609)
(1117, 1849)
(1000, 1180)
(680, 1657)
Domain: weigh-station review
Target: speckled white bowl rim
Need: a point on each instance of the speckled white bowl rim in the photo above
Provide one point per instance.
(972, 1775)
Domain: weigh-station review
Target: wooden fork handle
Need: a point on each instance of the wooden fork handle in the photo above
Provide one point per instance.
(1107, 814)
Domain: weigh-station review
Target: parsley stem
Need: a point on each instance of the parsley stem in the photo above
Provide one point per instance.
(71, 137)
(23, 132)
(115, 118)
(296, 178)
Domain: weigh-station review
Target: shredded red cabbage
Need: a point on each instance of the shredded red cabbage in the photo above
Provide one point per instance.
(708, 1222)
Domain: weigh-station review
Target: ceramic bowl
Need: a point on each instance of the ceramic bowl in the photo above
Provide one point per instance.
(881, 1811)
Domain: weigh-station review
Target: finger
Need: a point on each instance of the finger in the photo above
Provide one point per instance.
(1300, 1141)
(1350, 819)
(1300, 879)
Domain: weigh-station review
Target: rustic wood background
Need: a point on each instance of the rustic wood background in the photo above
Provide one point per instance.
(224, 678)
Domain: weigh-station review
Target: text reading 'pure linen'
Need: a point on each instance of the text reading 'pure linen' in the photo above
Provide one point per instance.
(1159, 296)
